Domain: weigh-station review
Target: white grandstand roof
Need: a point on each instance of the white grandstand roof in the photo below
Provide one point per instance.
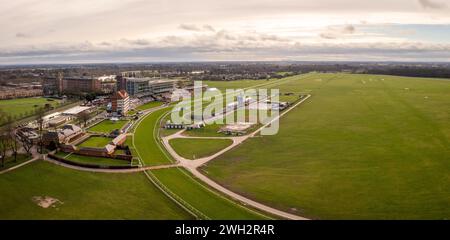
(76, 110)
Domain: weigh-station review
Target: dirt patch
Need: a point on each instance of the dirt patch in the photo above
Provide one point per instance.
(46, 202)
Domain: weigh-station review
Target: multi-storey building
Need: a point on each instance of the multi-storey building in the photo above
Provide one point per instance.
(142, 87)
(108, 84)
(71, 85)
(120, 102)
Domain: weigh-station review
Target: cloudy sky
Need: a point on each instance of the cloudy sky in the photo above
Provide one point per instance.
(81, 31)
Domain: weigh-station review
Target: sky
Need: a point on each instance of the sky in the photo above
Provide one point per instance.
(103, 31)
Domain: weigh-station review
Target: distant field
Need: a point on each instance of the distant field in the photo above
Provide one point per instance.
(108, 126)
(82, 195)
(198, 148)
(363, 147)
(223, 85)
(204, 200)
(23, 107)
(95, 142)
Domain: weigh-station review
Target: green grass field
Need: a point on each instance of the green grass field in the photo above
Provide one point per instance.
(149, 105)
(95, 142)
(23, 107)
(198, 148)
(201, 198)
(362, 147)
(144, 140)
(108, 126)
(82, 195)
(93, 160)
(9, 161)
(179, 182)
(223, 85)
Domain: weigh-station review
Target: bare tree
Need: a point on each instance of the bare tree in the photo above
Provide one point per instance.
(3, 146)
(26, 143)
(40, 121)
(13, 143)
(83, 117)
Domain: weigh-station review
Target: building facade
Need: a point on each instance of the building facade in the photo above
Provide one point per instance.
(72, 85)
(120, 102)
(142, 87)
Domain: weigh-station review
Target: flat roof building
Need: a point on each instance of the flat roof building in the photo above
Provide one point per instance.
(143, 87)
(76, 110)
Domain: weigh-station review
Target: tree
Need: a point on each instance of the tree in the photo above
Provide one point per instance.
(83, 117)
(2, 116)
(40, 121)
(3, 146)
(13, 143)
(26, 143)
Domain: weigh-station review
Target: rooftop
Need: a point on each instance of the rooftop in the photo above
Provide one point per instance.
(76, 110)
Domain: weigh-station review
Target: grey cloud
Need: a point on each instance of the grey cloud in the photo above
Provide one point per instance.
(209, 28)
(222, 34)
(327, 35)
(190, 27)
(334, 32)
(105, 44)
(195, 28)
(431, 4)
(199, 51)
(139, 42)
(22, 35)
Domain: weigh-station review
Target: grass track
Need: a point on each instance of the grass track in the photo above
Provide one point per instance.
(380, 143)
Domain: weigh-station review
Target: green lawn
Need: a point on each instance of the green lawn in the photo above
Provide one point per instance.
(363, 147)
(83, 195)
(108, 126)
(201, 198)
(239, 84)
(9, 161)
(149, 105)
(95, 142)
(150, 152)
(210, 130)
(198, 148)
(23, 107)
(93, 160)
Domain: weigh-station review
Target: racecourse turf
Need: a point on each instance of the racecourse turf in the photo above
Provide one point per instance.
(362, 147)
(107, 126)
(198, 148)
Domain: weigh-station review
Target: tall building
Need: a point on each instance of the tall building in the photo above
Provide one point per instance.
(80, 85)
(72, 85)
(120, 102)
(108, 84)
(143, 87)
